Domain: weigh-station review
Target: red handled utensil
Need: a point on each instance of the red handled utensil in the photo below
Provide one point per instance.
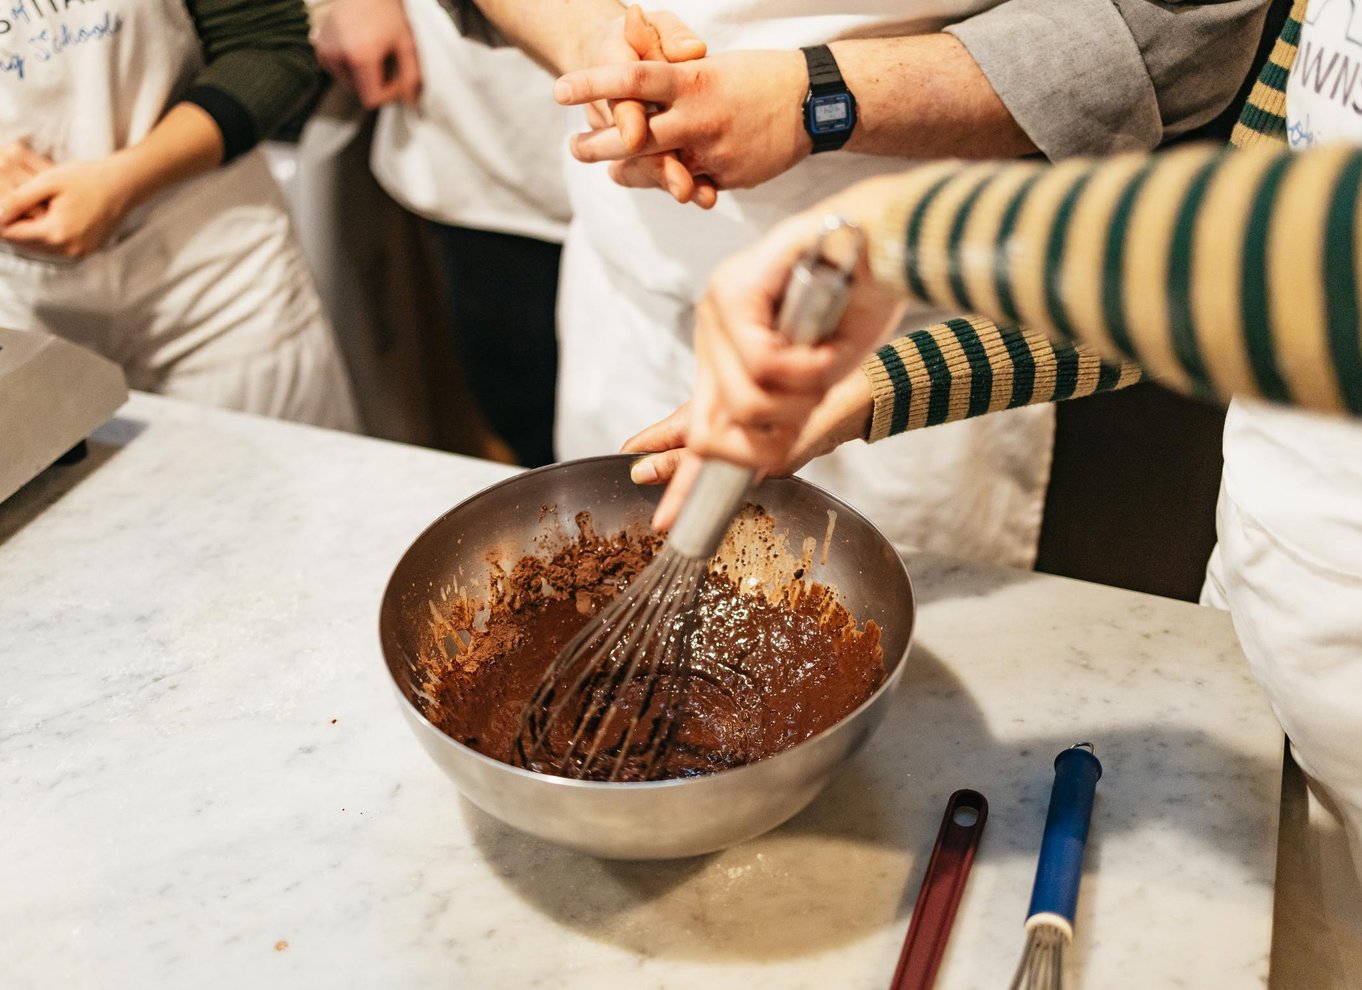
(939, 896)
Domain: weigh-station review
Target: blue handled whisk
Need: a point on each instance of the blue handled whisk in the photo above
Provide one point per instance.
(1050, 918)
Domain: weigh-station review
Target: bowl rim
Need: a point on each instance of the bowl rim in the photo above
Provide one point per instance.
(621, 786)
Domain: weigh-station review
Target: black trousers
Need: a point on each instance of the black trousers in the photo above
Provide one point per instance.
(502, 291)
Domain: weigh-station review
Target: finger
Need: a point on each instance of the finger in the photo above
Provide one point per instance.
(677, 490)
(676, 178)
(35, 233)
(766, 451)
(774, 363)
(371, 83)
(656, 469)
(666, 434)
(712, 433)
(641, 35)
(661, 171)
(736, 322)
(631, 124)
(748, 404)
(679, 43)
(706, 192)
(408, 72)
(598, 115)
(666, 131)
(609, 144)
(736, 397)
(644, 172)
(33, 193)
(649, 82)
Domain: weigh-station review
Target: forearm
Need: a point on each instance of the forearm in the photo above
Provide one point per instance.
(186, 142)
(557, 34)
(1220, 273)
(925, 97)
(260, 69)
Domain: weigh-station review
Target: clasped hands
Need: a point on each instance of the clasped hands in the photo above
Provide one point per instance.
(667, 116)
(66, 210)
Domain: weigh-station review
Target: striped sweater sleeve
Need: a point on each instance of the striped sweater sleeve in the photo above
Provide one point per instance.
(1218, 272)
(967, 367)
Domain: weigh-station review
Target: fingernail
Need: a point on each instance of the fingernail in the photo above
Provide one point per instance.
(562, 91)
(643, 472)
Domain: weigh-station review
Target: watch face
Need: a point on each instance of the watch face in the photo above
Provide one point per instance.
(831, 114)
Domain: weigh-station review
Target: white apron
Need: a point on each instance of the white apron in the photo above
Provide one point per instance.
(480, 148)
(202, 293)
(636, 262)
(1289, 562)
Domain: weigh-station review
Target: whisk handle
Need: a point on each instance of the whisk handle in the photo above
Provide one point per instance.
(1066, 835)
(719, 492)
(819, 285)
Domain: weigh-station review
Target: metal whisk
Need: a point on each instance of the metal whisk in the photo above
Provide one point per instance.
(607, 707)
(1054, 897)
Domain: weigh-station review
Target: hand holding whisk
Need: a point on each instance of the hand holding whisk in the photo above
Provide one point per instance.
(607, 707)
(1054, 897)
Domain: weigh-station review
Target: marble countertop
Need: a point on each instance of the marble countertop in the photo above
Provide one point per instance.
(205, 779)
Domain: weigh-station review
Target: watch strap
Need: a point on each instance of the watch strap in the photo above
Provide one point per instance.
(824, 76)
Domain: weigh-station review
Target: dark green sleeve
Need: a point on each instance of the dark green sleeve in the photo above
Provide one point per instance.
(260, 68)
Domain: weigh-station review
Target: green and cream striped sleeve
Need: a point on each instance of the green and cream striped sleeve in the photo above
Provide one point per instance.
(1220, 272)
(970, 366)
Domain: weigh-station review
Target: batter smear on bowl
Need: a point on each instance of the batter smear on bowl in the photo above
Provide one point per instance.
(776, 658)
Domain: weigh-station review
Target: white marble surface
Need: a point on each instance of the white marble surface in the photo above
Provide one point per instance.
(201, 759)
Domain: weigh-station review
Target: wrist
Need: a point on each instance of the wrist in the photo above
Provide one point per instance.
(852, 405)
(125, 179)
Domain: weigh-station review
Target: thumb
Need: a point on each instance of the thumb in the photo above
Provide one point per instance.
(666, 434)
(408, 79)
(32, 193)
(679, 43)
(642, 36)
(683, 480)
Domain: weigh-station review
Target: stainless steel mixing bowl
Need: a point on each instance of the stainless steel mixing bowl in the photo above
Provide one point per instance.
(657, 819)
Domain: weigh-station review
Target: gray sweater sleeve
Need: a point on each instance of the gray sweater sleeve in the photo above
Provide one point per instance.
(1085, 77)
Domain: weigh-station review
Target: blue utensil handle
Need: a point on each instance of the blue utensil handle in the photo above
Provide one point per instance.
(1066, 835)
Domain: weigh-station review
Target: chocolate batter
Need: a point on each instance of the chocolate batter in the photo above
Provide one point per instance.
(767, 669)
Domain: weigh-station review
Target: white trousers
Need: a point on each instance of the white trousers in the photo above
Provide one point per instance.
(208, 298)
(973, 489)
(1299, 622)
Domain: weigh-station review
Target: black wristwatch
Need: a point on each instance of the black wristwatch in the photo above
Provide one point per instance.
(829, 109)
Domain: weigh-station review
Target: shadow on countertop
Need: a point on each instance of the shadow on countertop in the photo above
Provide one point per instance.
(48, 488)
